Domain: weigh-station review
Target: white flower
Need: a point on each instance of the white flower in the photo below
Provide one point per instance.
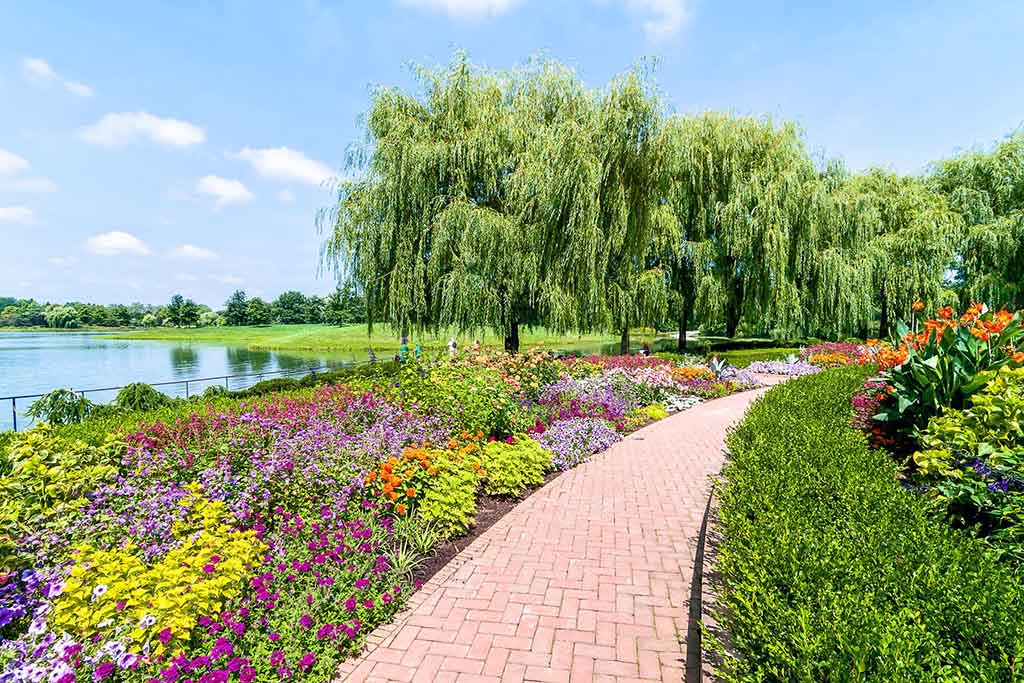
(99, 591)
(147, 621)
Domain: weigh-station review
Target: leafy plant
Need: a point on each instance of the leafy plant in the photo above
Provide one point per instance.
(449, 496)
(140, 396)
(513, 466)
(946, 363)
(61, 407)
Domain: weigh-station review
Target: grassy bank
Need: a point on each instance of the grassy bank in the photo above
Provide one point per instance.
(356, 338)
(832, 571)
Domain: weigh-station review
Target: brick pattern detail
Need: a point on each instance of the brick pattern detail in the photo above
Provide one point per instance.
(587, 580)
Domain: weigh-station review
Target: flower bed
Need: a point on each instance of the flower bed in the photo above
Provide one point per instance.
(948, 404)
(263, 539)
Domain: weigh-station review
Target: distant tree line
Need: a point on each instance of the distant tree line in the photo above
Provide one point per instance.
(345, 306)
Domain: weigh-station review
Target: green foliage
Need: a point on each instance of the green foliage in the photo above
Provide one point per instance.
(987, 189)
(140, 396)
(290, 308)
(946, 370)
(638, 417)
(236, 308)
(497, 199)
(511, 469)
(475, 398)
(449, 497)
(60, 407)
(268, 386)
(973, 462)
(44, 471)
(182, 312)
(831, 569)
(258, 312)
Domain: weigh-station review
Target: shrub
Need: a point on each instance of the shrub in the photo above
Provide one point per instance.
(449, 496)
(47, 471)
(140, 396)
(972, 462)
(639, 417)
(268, 386)
(833, 571)
(61, 407)
(513, 466)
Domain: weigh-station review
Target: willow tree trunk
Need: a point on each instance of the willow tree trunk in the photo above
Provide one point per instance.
(512, 337)
(684, 320)
(883, 318)
(624, 341)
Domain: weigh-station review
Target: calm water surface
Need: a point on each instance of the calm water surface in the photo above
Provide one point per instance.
(36, 362)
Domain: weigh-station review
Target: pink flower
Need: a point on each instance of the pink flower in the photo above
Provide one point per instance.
(103, 671)
(164, 636)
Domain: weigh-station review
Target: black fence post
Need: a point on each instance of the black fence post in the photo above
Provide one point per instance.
(14, 412)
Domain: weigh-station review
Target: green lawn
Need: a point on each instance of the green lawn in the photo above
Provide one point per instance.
(356, 338)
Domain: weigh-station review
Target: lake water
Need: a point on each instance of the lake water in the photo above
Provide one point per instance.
(37, 362)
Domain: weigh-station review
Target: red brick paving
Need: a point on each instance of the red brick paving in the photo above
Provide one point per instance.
(587, 580)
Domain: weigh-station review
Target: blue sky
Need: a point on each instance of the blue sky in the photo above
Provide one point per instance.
(158, 147)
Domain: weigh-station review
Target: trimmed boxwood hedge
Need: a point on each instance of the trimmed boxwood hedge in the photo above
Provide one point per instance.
(832, 571)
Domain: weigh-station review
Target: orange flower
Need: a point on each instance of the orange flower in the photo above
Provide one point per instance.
(945, 313)
(918, 306)
(432, 471)
(400, 509)
(395, 481)
(388, 488)
(392, 495)
(371, 477)
(410, 492)
(980, 333)
(1018, 357)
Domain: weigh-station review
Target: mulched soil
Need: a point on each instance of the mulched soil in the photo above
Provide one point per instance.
(489, 509)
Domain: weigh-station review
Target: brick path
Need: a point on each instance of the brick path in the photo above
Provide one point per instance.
(587, 580)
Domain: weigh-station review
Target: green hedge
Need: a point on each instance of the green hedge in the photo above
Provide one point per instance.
(833, 571)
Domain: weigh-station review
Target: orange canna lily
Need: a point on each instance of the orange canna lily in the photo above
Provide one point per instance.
(918, 306)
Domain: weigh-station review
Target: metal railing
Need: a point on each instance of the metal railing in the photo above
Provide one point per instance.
(186, 382)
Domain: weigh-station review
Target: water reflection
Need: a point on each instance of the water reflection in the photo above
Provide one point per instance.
(184, 361)
(236, 360)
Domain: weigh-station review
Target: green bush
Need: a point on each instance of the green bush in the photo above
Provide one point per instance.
(449, 499)
(510, 469)
(268, 386)
(61, 407)
(140, 396)
(973, 462)
(833, 571)
(476, 398)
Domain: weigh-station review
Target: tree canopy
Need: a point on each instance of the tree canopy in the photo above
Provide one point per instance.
(494, 199)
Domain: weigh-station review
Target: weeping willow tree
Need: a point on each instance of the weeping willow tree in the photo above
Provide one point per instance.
(635, 282)
(892, 242)
(987, 189)
(476, 203)
(738, 190)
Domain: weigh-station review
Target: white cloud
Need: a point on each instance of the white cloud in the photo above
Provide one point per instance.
(286, 164)
(193, 253)
(11, 163)
(31, 185)
(286, 196)
(16, 214)
(229, 279)
(185, 277)
(63, 260)
(80, 89)
(116, 242)
(118, 130)
(665, 17)
(226, 191)
(465, 9)
(39, 71)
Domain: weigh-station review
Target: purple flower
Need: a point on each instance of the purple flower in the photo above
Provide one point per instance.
(306, 621)
(103, 671)
(307, 660)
